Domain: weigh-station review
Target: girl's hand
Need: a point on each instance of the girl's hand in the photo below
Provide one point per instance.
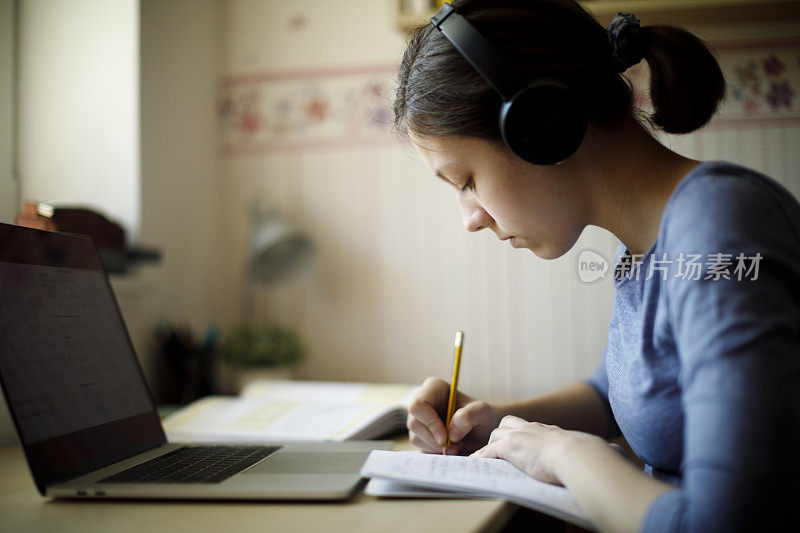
(536, 449)
(472, 423)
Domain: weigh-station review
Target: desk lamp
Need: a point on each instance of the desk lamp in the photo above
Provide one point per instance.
(279, 251)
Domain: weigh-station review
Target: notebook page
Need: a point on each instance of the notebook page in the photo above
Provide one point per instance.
(494, 477)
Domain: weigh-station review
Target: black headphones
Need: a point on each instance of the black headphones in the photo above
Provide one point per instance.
(542, 121)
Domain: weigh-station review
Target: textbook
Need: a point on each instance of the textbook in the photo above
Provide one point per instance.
(473, 475)
(286, 410)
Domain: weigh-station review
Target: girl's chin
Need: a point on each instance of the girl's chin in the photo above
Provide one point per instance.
(544, 252)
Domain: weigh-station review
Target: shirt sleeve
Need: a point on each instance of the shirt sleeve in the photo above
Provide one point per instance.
(739, 349)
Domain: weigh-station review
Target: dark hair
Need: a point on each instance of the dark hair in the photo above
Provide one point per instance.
(440, 94)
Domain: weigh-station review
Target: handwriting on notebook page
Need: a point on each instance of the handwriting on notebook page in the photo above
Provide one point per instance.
(490, 472)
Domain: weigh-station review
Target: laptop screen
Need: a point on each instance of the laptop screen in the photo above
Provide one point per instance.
(67, 366)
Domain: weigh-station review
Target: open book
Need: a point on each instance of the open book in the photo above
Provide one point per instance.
(473, 475)
(294, 411)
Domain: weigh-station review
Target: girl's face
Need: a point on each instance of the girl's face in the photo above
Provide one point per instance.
(536, 207)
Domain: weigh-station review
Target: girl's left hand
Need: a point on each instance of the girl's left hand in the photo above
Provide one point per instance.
(534, 448)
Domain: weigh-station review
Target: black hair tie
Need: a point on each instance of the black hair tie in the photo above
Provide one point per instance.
(624, 41)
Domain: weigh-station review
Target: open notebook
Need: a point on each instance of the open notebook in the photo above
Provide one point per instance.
(471, 475)
(294, 411)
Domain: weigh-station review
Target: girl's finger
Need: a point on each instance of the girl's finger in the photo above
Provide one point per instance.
(427, 415)
(511, 421)
(498, 434)
(421, 431)
(486, 451)
(473, 414)
(422, 445)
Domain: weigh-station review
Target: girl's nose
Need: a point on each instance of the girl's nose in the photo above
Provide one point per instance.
(474, 217)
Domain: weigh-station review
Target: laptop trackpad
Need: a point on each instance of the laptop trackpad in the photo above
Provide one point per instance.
(310, 463)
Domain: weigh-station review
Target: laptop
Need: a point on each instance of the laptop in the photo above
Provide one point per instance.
(83, 411)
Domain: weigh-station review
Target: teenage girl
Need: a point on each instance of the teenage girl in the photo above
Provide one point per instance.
(701, 373)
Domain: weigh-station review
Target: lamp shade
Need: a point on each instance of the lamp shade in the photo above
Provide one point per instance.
(278, 249)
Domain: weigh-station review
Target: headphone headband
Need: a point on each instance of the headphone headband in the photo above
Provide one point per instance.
(479, 52)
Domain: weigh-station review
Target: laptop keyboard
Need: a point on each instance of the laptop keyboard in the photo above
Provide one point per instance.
(194, 464)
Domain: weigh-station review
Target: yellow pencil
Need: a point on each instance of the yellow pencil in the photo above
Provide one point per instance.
(451, 404)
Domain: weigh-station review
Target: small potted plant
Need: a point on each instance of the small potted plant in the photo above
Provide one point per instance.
(258, 350)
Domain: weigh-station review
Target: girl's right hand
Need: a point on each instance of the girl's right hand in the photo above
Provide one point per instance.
(472, 423)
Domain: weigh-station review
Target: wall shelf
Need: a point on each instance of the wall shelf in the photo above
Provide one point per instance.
(668, 11)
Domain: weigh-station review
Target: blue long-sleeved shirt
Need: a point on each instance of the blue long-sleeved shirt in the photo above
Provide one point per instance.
(702, 367)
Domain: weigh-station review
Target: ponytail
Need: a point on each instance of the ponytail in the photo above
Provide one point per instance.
(686, 82)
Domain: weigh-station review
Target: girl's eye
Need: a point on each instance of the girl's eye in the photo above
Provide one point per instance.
(467, 185)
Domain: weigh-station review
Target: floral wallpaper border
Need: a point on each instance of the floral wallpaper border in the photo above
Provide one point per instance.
(326, 109)
(347, 108)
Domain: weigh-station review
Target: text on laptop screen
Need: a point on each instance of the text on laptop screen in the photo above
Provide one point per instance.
(65, 357)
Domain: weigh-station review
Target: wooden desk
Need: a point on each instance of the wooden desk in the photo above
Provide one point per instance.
(23, 509)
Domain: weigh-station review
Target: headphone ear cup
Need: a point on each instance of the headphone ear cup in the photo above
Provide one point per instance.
(543, 124)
